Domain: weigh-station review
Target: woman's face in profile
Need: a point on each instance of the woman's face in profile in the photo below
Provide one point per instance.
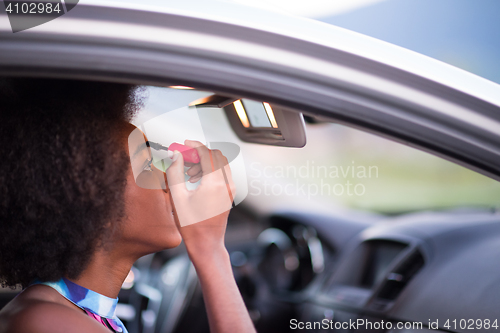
(149, 225)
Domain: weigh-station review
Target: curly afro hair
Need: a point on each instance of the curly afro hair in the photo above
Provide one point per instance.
(63, 168)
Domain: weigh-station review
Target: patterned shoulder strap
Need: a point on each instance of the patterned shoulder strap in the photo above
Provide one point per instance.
(104, 321)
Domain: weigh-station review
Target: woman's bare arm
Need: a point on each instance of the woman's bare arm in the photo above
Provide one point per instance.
(225, 308)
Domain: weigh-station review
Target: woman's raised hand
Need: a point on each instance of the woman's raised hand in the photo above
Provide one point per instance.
(201, 216)
(202, 213)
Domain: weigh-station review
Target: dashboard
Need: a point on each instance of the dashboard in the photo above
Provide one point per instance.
(434, 270)
(420, 272)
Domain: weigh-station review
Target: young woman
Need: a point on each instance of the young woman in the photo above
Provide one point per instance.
(73, 219)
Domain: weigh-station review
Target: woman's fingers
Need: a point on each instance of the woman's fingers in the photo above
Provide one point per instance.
(220, 159)
(203, 152)
(210, 161)
(194, 170)
(195, 179)
(213, 197)
(175, 172)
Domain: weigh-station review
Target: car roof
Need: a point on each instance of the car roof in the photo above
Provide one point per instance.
(323, 34)
(318, 69)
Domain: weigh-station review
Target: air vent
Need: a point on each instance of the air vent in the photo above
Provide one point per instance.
(398, 279)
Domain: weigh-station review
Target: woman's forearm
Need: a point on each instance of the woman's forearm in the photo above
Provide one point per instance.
(225, 307)
(204, 213)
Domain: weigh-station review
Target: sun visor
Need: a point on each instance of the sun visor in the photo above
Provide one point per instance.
(260, 122)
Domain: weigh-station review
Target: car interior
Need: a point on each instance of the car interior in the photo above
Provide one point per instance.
(330, 225)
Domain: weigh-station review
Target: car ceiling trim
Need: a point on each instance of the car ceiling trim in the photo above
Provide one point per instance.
(310, 31)
(272, 57)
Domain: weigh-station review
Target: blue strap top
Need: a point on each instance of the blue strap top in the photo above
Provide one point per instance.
(97, 306)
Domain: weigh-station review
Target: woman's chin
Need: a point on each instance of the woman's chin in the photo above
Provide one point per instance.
(174, 238)
(177, 241)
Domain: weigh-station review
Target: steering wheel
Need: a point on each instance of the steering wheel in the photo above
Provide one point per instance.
(168, 294)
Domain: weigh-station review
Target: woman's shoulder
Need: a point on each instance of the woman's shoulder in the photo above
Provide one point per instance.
(40, 309)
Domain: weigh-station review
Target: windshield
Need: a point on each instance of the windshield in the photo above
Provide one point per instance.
(339, 167)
